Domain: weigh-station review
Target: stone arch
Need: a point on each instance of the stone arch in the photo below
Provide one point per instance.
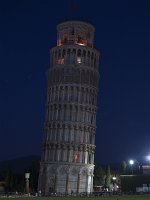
(68, 51)
(62, 170)
(63, 53)
(59, 53)
(79, 53)
(84, 53)
(74, 171)
(83, 171)
(74, 52)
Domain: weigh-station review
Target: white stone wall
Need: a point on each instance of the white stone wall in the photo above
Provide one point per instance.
(63, 178)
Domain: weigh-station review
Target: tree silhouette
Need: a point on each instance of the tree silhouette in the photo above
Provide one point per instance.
(108, 178)
(123, 168)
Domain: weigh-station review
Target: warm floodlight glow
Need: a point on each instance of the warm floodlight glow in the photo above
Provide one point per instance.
(81, 44)
(60, 61)
(131, 162)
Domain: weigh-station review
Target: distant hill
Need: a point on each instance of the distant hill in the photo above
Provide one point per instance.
(19, 164)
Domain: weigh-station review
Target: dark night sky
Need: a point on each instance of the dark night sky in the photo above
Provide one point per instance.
(28, 31)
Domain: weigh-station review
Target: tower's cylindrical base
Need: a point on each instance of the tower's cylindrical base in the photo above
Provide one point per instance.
(65, 178)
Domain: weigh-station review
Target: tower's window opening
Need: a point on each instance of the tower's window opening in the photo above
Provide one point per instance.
(81, 41)
(79, 60)
(59, 54)
(59, 42)
(61, 61)
(75, 157)
(84, 53)
(63, 53)
(72, 31)
(65, 39)
(74, 52)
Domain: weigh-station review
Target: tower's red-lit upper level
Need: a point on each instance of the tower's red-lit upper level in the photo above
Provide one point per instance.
(75, 32)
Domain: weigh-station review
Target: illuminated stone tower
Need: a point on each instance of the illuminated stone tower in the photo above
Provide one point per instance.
(67, 162)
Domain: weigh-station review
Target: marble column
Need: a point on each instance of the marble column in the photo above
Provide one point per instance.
(78, 184)
(55, 186)
(67, 182)
(88, 183)
(70, 154)
(91, 190)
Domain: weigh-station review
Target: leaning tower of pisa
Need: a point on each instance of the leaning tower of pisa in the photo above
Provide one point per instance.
(67, 162)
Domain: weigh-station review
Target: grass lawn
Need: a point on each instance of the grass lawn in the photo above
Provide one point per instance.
(125, 197)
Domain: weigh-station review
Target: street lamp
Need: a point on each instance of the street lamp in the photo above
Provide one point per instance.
(27, 176)
(114, 178)
(114, 183)
(131, 162)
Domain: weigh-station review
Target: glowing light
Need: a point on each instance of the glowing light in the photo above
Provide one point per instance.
(131, 162)
(148, 158)
(81, 44)
(114, 178)
(78, 59)
(27, 175)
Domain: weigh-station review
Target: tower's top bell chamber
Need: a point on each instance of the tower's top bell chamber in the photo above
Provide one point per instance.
(75, 32)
